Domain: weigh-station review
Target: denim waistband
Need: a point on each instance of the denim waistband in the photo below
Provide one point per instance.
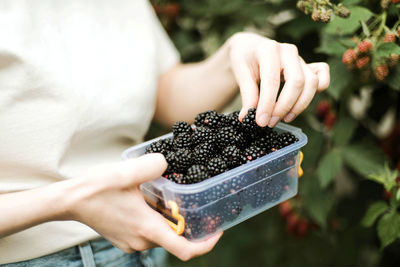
(97, 253)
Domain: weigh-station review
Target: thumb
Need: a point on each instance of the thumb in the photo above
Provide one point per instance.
(144, 168)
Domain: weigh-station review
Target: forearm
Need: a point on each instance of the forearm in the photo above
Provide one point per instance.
(188, 89)
(25, 209)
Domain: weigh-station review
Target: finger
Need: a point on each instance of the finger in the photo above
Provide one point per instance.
(182, 248)
(142, 169)
(270, 62)
(247, 84)
(294, 83)
(310, 87)
(321, 69)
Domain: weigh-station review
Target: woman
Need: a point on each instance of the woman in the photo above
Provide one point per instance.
(80, 82)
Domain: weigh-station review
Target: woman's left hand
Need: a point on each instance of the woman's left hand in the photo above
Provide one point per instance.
(255, 59)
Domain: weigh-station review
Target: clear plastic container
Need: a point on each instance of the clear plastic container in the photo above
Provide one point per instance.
(229, 198)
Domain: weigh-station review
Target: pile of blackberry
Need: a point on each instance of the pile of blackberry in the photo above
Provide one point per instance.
(217, 143)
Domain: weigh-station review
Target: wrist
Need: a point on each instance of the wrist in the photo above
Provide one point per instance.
(74, 194)
(221, 64)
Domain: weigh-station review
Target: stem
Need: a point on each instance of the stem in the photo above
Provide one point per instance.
(383, 23)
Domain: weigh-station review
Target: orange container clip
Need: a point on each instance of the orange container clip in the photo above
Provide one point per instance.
(300, 168)
(180, 226)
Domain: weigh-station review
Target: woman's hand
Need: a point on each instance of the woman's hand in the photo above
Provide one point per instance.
(109, 200)
(256, 59)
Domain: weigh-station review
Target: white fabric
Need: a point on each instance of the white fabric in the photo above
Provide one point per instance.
(77, 87)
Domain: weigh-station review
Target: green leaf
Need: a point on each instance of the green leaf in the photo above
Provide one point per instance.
(398, 195)
(394, 78)
(373, 213)
(350, 2)
(344, 130)
(365, 29)
(299, 27)
(331, 45)
(363, 158)
(386, 177)
(318, 202)
(386, 49)
(340, 78)
(313, 149)
(329, 167)
(348, 25)
(389, 228)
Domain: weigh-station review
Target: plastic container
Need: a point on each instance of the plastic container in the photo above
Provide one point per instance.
(229, 198)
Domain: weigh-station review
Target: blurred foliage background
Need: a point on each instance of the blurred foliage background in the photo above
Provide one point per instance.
(346, 212)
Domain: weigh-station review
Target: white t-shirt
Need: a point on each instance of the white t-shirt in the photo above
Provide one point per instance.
(78, 84)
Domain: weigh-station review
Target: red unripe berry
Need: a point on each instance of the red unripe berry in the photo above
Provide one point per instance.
(349, 56)
(285, 208)
(381, 72)
(362, 62)
(389, 38)
(395, 1)
(172, 10)
(364, 46)
(387, 194)
(302, 228)
(323, 108)
(291, 223)
(330, 120)
(159, 9)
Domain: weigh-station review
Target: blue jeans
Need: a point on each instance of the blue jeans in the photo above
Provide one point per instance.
(97, 253)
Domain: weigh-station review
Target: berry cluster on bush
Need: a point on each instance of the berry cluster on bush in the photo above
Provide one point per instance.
(296, 225)
(322, 10)
(386, 3)
(364, 57)
(216, 143)
(325, 114)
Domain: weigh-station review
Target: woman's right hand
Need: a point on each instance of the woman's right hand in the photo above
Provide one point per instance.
(109, 200)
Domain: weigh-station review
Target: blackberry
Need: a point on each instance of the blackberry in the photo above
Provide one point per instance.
(209, 119)
(233, 207)
(201, 117)
(229, 136)
(224, 120)
(155, 147)
(203, 134)
(231, 155)
(174, 177)
(182, 140)
(211, 222)
(170, 158)
(233, 119)
(203, 152)
(213, 121)
(251, 153)
(286, 139)
(183, 160)
(216, 166)
(160, 146)
(182, 127)
(216, 192)
(197, 173)
(168, 143)
(193, 225)
(249, 121)
(191, 201)
(256, 195)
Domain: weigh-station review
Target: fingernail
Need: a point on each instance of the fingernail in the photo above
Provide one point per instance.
(264, 120)
(289, 117)
(274, 121)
